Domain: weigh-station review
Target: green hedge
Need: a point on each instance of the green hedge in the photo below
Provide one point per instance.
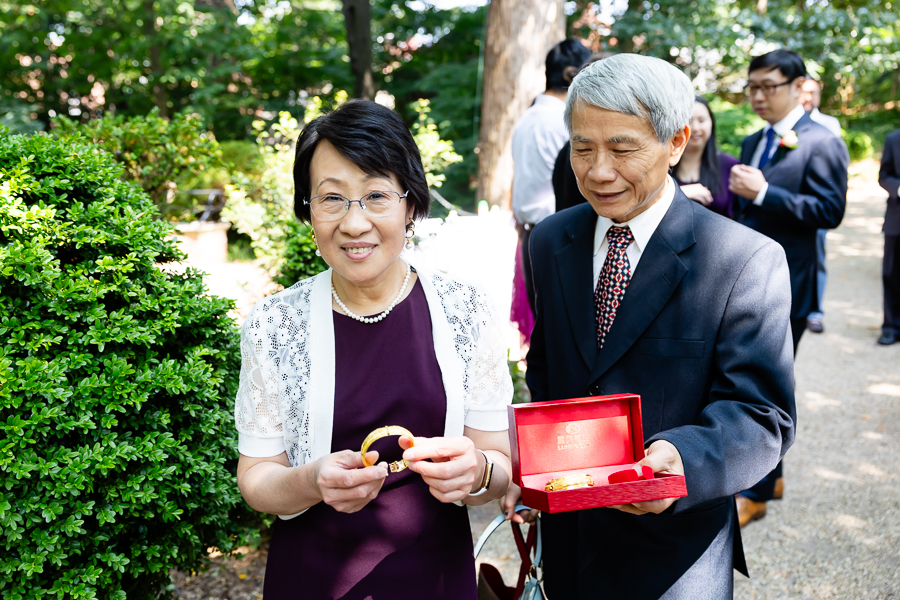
(117, 379)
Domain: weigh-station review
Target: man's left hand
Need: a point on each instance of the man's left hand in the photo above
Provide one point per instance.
(746, 181)
(662, 457)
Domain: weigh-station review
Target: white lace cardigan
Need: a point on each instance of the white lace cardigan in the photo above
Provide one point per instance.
(285, 400)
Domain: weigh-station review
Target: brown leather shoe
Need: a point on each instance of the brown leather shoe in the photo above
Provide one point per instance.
(778, 494)
(749, 510)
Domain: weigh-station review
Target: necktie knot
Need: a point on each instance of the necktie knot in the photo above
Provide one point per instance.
(619, 237)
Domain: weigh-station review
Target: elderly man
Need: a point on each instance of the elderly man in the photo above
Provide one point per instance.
(642, 290)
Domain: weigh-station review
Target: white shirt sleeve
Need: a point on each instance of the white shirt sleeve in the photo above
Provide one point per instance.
(256, 408)
(490, 385)
(761, 195)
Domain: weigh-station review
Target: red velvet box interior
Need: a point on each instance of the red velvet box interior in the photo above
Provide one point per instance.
(598, 436)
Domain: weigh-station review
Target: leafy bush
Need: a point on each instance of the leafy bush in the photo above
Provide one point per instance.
(117, 375)
(154, 151)
(859, 144)
(734, 122)
(875, 123)
(300, 260)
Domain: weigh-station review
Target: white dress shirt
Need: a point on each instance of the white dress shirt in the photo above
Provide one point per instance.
(537, 139)
(827, 121)
(642, 228)
(781, 128)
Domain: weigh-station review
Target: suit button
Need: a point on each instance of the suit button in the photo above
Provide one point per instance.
(594, 391)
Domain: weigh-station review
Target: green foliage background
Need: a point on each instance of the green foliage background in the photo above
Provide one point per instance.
(235, 63)
(117, 377)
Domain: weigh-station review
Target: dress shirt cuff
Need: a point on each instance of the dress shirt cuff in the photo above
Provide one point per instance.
(898, 191)
(762, 194)
(257, 447)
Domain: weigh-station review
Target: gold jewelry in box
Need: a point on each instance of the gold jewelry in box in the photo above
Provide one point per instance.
(569, 483)
(385, 432)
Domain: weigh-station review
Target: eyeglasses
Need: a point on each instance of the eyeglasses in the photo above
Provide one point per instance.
(767, 88)
(333, 207)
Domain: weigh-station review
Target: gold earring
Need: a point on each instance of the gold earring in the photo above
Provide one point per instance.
(315, 241)
(410, 232)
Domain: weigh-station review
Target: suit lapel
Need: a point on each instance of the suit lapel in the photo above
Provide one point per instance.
(659, 273)
(575, 265)
(780, 154)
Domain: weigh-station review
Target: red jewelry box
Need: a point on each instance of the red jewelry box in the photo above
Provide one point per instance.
(599, 435)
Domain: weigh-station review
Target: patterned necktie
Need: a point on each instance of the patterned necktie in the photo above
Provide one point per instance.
(770, 141)
(613, 281)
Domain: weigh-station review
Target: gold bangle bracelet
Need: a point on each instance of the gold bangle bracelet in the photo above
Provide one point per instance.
(385, 432)
(569, 483)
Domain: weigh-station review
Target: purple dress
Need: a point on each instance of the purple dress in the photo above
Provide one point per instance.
(723, 199)
(405, 543)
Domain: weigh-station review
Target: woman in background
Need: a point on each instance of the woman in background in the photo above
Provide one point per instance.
(703, 171)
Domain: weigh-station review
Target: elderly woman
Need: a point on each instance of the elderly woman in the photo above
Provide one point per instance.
(371, 343)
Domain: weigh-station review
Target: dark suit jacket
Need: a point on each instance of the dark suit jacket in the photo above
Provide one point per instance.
(703, 337)
(807, 192)
(889, 179)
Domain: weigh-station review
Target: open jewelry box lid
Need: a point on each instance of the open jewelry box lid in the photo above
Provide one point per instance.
(563, 435)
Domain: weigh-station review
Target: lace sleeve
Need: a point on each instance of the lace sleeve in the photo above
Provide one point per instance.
(490, 387)
(256, 408)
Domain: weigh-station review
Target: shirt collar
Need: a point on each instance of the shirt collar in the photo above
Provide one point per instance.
(642, 226)
(787, 123)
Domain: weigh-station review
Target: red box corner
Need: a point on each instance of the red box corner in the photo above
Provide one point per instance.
(597, 435)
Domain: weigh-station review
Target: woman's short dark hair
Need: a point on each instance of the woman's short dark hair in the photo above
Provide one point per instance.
(789, 63)
(373, 138)
(568, 53)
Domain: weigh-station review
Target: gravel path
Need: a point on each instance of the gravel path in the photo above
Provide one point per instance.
(836, 534)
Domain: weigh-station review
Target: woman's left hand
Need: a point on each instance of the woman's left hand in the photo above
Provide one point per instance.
(455, 463)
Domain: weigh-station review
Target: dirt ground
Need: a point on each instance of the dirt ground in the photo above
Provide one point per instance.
(836, 533)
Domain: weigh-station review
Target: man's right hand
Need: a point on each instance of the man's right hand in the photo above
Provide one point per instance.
(345, 484)
(508, 506)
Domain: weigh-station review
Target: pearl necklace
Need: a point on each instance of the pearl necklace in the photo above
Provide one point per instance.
(387, 311)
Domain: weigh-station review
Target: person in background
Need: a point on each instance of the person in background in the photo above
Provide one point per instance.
(703, 171)
(811, 99)
(889, 179)
(792, 181)
(565, 185)
(536, 140)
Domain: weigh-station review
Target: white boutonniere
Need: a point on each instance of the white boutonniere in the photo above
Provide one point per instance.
(789, 140)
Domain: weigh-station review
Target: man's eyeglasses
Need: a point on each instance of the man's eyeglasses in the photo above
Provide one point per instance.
(333, 207)
(767, 89)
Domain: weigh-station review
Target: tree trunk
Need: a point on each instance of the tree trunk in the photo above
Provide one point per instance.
(160, 97)
(519, 35)
(358, 18)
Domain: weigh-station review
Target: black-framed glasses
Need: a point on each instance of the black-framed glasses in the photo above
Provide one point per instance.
(333, 207)
(767, 89)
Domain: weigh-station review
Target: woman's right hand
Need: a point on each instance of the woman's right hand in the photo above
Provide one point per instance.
(698, 193)
(345, 484)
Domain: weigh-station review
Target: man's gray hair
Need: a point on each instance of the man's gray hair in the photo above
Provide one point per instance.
(636, 85)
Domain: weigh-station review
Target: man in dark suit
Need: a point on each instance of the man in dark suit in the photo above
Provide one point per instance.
(642, 290)
(792, 181)
(889, 179)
